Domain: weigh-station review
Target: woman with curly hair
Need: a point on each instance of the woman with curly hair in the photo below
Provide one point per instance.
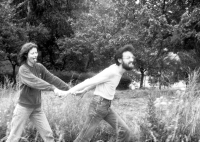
(33, 78)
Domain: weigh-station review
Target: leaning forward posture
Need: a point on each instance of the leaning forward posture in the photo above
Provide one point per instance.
(105, 84)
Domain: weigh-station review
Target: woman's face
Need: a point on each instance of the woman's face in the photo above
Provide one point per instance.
(32, 56)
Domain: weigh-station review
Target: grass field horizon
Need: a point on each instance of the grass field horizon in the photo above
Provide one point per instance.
(152, 115)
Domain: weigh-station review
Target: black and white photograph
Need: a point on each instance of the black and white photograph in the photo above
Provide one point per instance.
(99, 70)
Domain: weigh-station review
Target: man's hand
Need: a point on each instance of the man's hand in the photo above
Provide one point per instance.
(60, 93)
(56, 91)
(81, 92)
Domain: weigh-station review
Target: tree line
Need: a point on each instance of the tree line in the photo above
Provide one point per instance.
(82, 35)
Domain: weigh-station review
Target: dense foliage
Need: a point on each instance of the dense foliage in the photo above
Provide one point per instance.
(83, 35)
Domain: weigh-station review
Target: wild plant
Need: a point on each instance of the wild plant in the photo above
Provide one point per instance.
(8, 100)
(188, 111)
(154, 129)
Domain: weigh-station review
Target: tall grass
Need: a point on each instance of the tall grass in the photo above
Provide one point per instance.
(188, 110)
(66, 116)
(176, 119)
(152, 115)
(8, 95)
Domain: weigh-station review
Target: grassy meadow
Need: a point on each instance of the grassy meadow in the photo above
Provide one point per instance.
(152, 115)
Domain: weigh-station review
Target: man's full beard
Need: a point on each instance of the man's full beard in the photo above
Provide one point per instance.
(126, 66)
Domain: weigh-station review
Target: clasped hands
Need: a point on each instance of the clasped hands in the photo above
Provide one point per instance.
(63, 94)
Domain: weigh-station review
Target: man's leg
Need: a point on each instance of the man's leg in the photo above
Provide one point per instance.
(88, 129)
(20, 116)
(96, 111)
(122, 130)
(41, 123)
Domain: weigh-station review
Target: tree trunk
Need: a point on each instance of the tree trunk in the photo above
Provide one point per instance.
(89, 60)
(51, 56)
(142, 77)
(14, 74)
(64, 63)
(160, 80)
(13, 64)
(163, 7)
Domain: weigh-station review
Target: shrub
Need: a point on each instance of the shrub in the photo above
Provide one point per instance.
(154, 129)
(188, 111)
(124, 83)
(70, 117)
(73, 77)
(65, 76)
(6, 79)
(84, 76)
(2, 131)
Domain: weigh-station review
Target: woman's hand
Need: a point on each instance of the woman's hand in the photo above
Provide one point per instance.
(61, 93)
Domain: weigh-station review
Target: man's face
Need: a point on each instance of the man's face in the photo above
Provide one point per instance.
(127, 60)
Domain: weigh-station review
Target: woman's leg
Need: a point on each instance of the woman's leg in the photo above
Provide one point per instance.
(20, 116)
(41, 123)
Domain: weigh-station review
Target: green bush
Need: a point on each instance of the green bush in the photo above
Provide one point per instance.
(124, 83)
(65, 76)
(75, 78)
(2, 131)
(84, 76)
